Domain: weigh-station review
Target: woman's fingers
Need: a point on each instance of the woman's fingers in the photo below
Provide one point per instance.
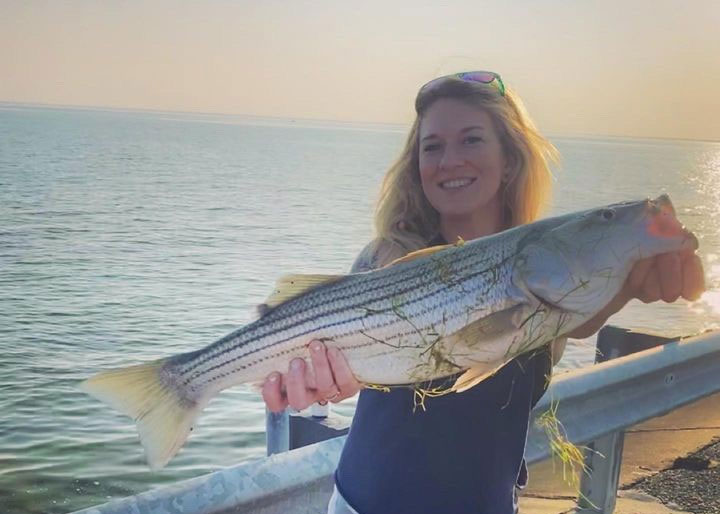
(670, 274)
(693, 277)
(344, 378)
(310, 381)
(667, 277)
(650, 290)
(324, 379)
(637, 277)
(298, 395)
(272, 393)
(329, 378)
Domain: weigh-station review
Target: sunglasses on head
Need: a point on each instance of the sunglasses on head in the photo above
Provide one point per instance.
(483, 77)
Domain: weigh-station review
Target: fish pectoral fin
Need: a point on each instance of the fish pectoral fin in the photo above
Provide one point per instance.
(418, 254)
(475, 375)
(483, 329)
(291, 286)
(490, 326)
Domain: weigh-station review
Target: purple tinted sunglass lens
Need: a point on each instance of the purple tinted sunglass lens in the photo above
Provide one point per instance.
(484, 77)
(478, 76)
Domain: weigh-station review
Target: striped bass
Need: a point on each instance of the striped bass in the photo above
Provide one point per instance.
(469, 307)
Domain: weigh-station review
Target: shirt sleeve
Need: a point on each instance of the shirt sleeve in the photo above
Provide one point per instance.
(366, 259)
(557, 348)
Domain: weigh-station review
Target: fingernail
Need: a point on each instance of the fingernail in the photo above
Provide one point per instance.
(274, 377)
(316, 346)
(296, 364)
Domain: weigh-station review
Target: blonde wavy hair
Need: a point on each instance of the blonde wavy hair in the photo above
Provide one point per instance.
(404, 219)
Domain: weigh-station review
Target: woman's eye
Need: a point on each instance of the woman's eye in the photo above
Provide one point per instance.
(473, 139)
(431, 147)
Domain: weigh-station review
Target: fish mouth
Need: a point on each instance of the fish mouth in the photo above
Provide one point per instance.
(456, 183)
(663, 203)
(690, 242)
(663, 223)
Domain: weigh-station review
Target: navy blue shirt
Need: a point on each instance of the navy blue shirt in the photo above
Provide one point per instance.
(462, 454)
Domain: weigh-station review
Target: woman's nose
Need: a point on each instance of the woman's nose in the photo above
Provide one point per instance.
(452, 158)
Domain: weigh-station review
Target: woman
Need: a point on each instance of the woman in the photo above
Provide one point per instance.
(473, 165)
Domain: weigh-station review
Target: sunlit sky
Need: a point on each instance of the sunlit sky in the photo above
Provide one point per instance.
(638, 68)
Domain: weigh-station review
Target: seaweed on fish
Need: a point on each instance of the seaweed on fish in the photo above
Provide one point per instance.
(377, 387)
(422, 393)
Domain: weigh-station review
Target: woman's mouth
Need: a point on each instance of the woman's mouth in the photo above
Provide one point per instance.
(456, 183)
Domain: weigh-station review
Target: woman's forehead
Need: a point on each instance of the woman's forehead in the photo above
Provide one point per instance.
(448, 116)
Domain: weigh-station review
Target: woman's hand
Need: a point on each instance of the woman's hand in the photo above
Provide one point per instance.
(329, 379)
(666, 277)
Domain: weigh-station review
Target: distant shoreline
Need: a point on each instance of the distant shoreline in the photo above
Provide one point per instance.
(250, 119)
(215, 117)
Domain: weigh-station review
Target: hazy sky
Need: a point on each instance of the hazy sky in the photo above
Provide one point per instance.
(643, 68)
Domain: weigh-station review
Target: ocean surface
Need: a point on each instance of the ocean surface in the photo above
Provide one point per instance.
(129, 236)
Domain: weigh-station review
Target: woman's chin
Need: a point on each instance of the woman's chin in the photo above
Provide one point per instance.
(463, 208)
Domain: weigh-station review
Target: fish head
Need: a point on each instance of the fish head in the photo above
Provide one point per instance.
(580, 265)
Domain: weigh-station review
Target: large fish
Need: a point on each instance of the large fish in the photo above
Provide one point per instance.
(469, 307)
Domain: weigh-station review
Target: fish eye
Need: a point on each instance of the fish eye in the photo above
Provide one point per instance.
(607, 214)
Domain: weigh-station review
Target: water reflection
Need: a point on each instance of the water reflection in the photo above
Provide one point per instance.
(709, 302)
(705, 179)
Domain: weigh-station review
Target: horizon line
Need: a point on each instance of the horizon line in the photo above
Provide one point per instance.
(293, 119)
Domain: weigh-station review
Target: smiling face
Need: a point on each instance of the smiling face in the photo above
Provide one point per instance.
(461, 167)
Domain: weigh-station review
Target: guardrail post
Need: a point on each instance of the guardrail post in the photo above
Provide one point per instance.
(320, 425)
(598, 487)
(603, 458)
(277, 431)
(285, 431)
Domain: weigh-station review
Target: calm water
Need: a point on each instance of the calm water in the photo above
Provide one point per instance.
(131, 236)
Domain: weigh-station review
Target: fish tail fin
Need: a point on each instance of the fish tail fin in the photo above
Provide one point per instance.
(164, 416)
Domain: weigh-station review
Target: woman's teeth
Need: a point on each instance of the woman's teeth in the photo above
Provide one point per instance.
(457, 183)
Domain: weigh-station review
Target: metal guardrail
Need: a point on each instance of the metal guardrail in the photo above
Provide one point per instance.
(603, 456)
(590, 403)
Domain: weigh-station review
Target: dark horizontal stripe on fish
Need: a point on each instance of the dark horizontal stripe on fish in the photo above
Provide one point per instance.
(273, 355)
(286, 312)
(250, 330)
(268, 347)
(281, 312)
(338, 292)
(418, 299)
(516, 236)
(344, 290)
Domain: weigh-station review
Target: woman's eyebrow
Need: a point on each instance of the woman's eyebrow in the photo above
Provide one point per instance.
(466, 129)
(472, 127)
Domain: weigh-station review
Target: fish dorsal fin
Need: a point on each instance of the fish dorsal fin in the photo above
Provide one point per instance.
(290, 286)
(418, 253)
